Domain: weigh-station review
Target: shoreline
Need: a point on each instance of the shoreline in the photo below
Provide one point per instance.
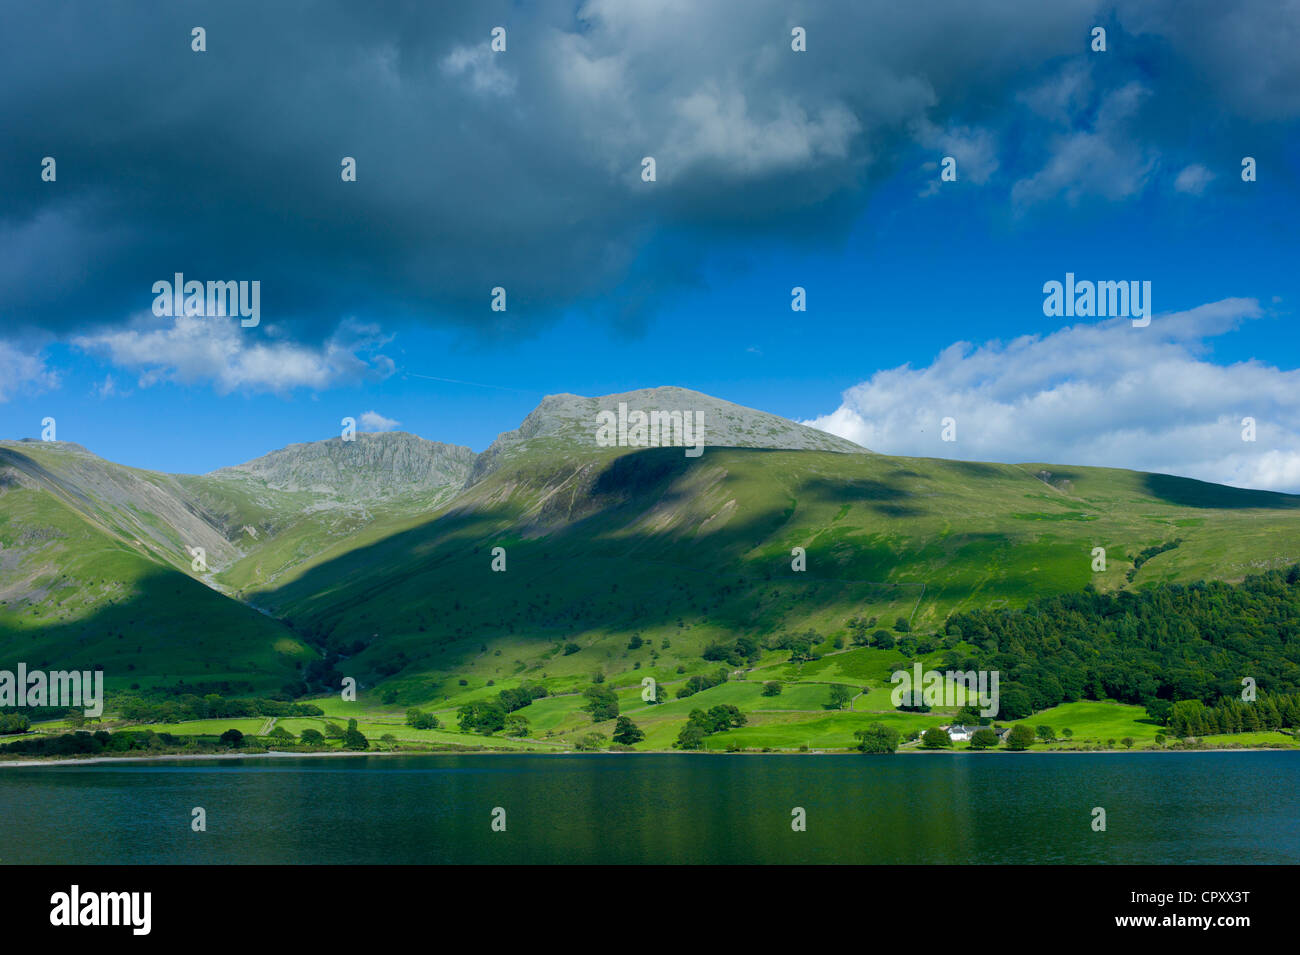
(281, 754)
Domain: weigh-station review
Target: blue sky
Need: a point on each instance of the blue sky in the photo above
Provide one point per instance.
(775, 171)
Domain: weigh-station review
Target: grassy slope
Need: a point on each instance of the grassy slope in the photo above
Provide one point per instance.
(692, 552)
(281, 530)
(605, 544)
(76, 595)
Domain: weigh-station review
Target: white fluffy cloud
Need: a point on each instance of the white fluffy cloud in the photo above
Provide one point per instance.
(23, 371)
(374, 421)
(1104, 394)
(221, 353)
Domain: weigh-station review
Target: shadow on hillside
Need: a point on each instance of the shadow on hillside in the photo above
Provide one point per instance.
(1188, 492)
(606, 549)
(975, 468)
(641, 472)
(883, 497)
(170, 629)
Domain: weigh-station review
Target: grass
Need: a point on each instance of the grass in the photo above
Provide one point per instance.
(1097, 722)
(557, 723)
(605, 548)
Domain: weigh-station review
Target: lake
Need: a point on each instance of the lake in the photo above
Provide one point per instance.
(1161, 808)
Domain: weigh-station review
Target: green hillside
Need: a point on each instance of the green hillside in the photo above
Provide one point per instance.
(75, 592)
(697, 551)
(375, 560)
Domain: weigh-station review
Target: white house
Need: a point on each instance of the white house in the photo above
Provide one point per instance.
(959, 733)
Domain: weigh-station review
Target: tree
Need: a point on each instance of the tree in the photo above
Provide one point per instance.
(1020, 738)
(602, 703)
(840, 695)
(935, 738)
(771, 688)
(14, 723)
(352, 739)
(1159, 710)
(279, 732)
(421, 720)
(690, 737)
(883, 639)
(333, 731)
(1187, 718)
(521, 696)
(516, 724)
(1014, 702)
(1067, 733)
(901, 625)
(312, 737)
(483, 716)
(1160, 739)
(1128, 742)
(983, 738)
(1045, 733)
(877, 739)
(700, 682)
(627, 732)
(719, 718)
(589, 742)
(232, 737)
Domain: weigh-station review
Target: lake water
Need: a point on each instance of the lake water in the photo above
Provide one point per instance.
(625, 808)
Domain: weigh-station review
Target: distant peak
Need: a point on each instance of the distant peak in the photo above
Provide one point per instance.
(573, 421)
(367, 465)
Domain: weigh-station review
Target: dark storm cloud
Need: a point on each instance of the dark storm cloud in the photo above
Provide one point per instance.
(474, 170)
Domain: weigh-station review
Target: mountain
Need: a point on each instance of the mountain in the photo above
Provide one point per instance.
(149, 510)
(369, 467)
(95, 573)
(375, 558)
(568, 424)
(686, 553)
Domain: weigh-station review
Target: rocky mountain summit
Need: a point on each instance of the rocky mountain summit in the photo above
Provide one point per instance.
(572, 421)
(369, 467)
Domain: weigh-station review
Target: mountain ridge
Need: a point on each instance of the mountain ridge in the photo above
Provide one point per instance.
(403, 462)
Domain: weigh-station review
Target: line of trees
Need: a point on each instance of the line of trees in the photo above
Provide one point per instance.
(14, 723)
(1268, 712)
(211, 706)
(1165, 643)
(702, 682)
(497, 714)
